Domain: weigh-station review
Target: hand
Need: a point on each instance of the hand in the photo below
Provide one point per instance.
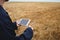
(18, 23)
(30, 27)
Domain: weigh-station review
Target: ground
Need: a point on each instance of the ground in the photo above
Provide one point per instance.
(45, 18)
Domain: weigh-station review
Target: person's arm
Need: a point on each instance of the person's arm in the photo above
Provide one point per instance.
(15, 25)
(27, 34)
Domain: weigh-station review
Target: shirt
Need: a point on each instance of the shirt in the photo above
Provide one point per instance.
(7, 28)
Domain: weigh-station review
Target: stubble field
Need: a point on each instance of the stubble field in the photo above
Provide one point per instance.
(45, 18)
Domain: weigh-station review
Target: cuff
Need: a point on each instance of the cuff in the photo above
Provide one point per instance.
(28, 33)
(15, 26)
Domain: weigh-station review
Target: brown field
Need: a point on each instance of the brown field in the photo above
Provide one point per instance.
(45, 18)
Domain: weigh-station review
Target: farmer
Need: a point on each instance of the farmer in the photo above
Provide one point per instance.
(7, 27)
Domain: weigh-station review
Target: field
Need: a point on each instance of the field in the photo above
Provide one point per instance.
(45, 18)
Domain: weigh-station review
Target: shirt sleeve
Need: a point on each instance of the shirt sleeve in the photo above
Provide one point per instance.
(27, 35)
(15, 26)
(13, 23)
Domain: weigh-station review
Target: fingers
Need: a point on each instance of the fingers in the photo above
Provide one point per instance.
(30, 27)
(18, 23)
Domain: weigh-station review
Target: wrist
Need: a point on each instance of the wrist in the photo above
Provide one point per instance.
(17, 23)
(30, 27)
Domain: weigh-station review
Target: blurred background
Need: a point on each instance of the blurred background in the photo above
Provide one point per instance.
(34, 0)
(45, 17)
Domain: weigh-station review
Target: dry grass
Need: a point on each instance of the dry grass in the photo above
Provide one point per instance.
(45, 18)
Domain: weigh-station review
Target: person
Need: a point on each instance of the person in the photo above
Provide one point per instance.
(7, 27)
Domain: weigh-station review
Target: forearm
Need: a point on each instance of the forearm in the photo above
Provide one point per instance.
(27, 34)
